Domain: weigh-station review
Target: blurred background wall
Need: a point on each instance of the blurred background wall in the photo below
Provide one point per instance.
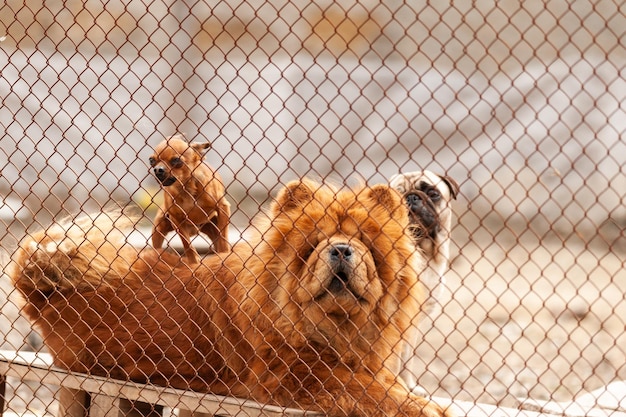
(522, 102)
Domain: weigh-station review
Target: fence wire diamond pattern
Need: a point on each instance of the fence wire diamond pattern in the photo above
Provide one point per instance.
(520, 103)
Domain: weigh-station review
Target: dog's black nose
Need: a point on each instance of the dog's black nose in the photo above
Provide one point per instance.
(414, 202)
(160, 172)
(341, 252)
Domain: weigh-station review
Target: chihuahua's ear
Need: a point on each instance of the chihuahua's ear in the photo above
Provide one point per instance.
(200, 147)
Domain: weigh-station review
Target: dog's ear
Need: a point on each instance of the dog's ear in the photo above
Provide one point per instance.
(398, 181)
(386, 197)
(452, 185)
(295, 194)
(201, 148)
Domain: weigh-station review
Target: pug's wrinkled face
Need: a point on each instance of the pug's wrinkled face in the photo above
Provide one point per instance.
(427, 196)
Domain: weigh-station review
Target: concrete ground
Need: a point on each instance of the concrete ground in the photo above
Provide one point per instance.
(527, 318)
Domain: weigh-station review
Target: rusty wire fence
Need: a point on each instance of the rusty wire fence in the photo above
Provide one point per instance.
(522, 103)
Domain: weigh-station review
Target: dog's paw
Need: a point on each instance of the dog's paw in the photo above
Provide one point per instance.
(420, 406)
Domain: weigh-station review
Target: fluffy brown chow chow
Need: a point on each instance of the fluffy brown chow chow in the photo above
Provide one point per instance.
(306, 314)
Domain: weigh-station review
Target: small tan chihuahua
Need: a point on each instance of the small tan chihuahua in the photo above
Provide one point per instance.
(194, 196)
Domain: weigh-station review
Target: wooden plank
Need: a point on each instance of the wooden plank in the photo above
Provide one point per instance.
(610, 399)
(187, 413)
(105, 406)
(3, 386)
(140, 409)
(26, 358)
(30, 367)
(72, 403)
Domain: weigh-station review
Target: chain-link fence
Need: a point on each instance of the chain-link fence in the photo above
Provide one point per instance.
(521, 103)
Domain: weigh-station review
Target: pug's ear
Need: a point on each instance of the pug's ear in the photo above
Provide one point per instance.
(452, 185)
(386, 197)
(397, 181)
(295, 194)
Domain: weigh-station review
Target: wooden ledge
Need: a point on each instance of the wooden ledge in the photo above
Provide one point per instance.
(609, 401)
(29, 366)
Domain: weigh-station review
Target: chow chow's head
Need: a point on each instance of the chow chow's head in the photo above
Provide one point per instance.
(340, 264)
(175, 159)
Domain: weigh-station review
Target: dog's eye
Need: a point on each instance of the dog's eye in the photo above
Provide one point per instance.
(307, 250)
(434, 195)
(176, 162)
(152, 161)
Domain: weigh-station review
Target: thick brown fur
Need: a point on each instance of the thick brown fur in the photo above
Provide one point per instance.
(193, 198)
(304, 314)
(428, 197)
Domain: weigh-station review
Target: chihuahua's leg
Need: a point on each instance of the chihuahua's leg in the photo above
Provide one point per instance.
(210, 229)
(189, 251)
(162, 226)
(217, 229)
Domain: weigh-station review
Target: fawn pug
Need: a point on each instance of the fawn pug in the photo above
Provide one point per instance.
(194, 196)
(428, 197)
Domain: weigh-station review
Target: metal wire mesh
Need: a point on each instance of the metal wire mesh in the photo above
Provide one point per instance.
(520, 102)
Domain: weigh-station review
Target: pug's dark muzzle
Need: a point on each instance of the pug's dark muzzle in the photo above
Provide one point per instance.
(423, 214)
